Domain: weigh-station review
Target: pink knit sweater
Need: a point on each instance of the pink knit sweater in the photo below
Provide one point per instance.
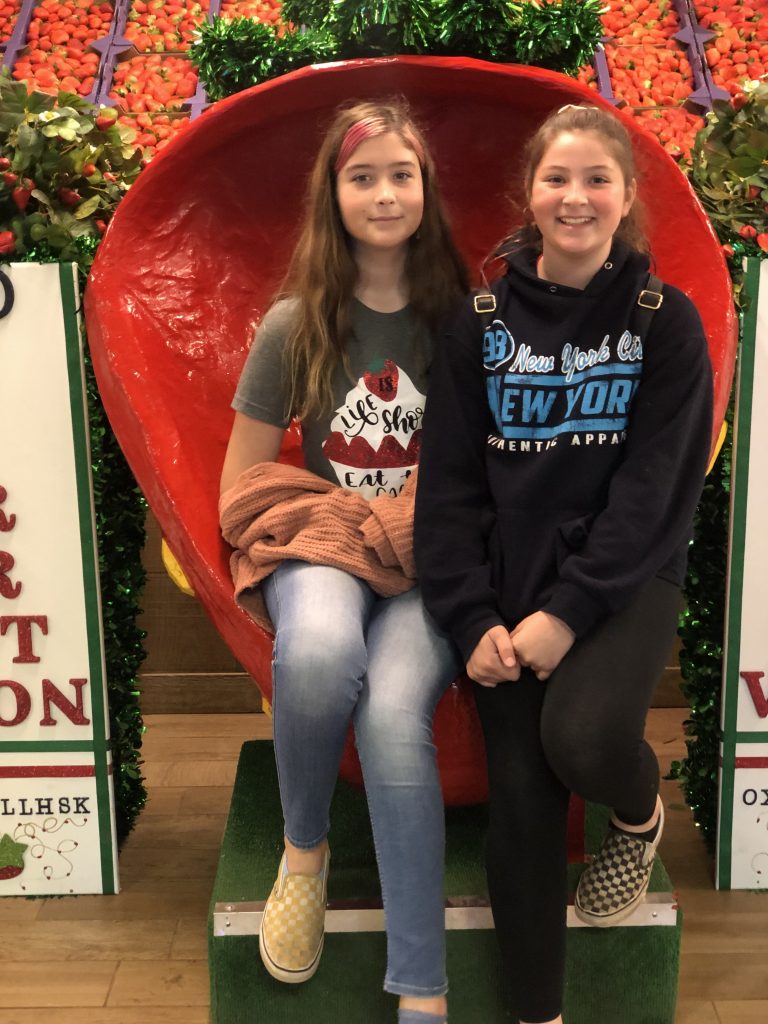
(275, 512)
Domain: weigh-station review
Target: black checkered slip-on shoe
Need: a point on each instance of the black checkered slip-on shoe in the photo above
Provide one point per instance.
(614, 884)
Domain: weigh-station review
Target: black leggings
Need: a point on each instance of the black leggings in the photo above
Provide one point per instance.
(582, 732)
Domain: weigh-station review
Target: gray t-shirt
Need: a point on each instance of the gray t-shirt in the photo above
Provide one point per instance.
(370, 443)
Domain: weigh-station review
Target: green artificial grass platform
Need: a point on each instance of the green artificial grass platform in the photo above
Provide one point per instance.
(626, 974)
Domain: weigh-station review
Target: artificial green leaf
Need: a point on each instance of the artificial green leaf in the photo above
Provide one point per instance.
(88, 207)
(57, 236)
(758, 141)
(744, 166)
(40, 101)
(29, 141)
(9, 120)
(80, 228)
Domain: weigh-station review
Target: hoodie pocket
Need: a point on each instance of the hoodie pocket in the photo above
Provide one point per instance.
(572, 535)
(522, 553)
(526, 549)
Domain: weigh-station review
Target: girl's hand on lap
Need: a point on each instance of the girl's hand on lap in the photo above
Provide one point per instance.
(493, 660)
(541, 641)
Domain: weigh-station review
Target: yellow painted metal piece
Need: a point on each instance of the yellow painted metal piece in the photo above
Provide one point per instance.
(174, 570)
(718, 445)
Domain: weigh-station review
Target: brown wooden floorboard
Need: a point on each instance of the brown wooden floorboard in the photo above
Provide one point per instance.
(108, 1015)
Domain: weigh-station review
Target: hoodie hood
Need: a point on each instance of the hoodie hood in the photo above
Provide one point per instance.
(551, 301)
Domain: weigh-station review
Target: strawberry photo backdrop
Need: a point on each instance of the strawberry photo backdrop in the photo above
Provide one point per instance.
(167, 360)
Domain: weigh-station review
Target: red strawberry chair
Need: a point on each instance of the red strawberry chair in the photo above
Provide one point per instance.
(198, 246)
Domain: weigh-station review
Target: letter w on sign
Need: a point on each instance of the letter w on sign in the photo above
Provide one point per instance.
(759, 699)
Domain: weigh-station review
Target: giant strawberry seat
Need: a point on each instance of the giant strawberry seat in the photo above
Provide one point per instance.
(197, 248)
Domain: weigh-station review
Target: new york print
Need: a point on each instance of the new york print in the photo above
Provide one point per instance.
(540, 397)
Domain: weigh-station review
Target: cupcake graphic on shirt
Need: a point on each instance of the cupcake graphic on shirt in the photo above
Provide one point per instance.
(375, 434)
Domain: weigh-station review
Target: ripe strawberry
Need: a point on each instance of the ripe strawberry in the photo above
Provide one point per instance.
(20, 196)
(762, 241)
(5, 163)
(748, 232)
(101, 226)
(382, 382)
(88, 170)
(69, 196)
(10, 178)
(7, 242)
(104, 122)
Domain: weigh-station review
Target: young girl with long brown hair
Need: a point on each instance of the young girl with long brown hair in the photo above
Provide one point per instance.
(565, 444)
(346, 350)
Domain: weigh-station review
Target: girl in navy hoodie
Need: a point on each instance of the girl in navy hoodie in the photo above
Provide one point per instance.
(564, 450)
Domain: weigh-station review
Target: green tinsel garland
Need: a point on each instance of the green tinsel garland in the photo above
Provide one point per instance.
(701, 654)
(559, 36)
(369, 29)
(120, 516)
(478, 28)
(306, 12)
(120, 512)
(234, 55)
(382, 27)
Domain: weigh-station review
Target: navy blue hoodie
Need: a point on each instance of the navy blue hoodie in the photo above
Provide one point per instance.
(563, 454)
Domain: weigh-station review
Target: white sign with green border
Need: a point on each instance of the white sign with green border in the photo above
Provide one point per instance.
(742, 846)
(57, 822)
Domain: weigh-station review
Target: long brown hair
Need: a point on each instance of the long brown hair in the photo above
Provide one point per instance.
(322, 273)
(616, 139)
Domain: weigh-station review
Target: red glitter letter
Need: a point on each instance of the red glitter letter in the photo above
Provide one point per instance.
(52, 695)
(6, 522)
(7, 589)
(23, 703)
(24, 623)
(752, 679)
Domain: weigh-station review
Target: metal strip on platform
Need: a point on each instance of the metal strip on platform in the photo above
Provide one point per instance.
(462, 913)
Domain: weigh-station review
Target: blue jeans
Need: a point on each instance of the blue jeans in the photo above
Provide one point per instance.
(344, 654)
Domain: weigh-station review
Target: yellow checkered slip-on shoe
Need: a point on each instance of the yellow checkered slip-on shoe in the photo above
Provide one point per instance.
(293, 923)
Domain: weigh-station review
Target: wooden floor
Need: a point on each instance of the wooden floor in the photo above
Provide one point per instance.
(140, 957)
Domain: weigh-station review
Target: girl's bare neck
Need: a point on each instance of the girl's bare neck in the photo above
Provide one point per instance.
(381, 284)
